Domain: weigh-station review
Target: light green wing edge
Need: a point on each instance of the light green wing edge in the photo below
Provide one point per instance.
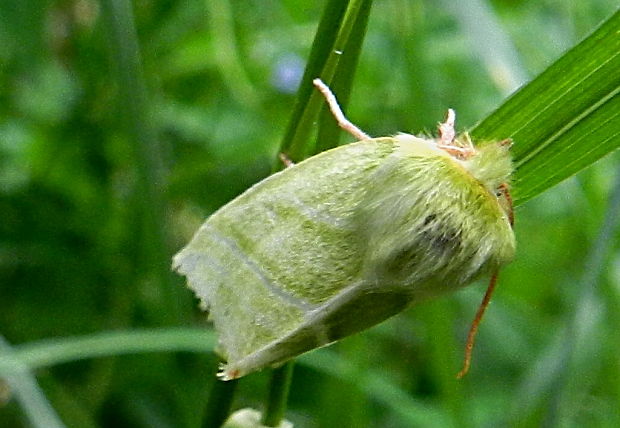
(266, 261)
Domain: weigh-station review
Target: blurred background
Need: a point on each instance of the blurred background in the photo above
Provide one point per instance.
(104, 175)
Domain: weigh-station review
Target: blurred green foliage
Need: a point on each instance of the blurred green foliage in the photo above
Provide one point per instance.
(78, 253)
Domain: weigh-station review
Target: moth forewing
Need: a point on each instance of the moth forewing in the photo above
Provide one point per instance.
(266, 263)
(343, 240)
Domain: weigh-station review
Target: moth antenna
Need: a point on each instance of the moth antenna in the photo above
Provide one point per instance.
(506, 142)
(446, 129)
(471, 337)
(511, 215)
(332, 102)
(467, 141)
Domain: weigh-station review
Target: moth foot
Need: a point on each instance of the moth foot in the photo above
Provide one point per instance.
(227, 373)
(341, 119)
(286, 160)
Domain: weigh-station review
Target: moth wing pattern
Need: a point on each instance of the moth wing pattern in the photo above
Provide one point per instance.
(268, 260)
(338, 243)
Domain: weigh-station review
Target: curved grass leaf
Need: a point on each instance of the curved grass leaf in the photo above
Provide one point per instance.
(566, 118)
(24, 385)
(45, 353)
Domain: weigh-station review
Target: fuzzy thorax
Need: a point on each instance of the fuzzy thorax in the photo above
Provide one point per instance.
(490, 165)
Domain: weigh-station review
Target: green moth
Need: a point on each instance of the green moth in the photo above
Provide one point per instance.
(347, 238)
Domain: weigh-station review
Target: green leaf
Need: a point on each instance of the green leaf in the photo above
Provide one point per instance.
(329, 132)
(334, 55)
(24, 385)
(44, 353)
(565, 119)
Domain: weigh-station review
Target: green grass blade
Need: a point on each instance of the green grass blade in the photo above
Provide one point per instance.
(583, 340)
(323, 41)
(329, 132)
(566, 118)
(333, 37)
(281, 378)
(491, 43)
(46, 353)
(49, 352)
(39, 411)
(135, 110)
(226, 52)
(221, 398)
(378, 386)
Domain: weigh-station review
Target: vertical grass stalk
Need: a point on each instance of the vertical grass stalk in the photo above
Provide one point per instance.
(331, 41)
(134, 109)
(329, 132)
(560, 406)
(278, 394)
(220, 403)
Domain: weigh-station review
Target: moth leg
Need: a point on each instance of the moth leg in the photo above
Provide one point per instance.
(446, 129)
(473, 330)
(332, 102)
(467, 143)
(447, 135)
(286, 160)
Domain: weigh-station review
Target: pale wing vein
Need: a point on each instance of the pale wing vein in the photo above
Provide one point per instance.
(255, 269)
